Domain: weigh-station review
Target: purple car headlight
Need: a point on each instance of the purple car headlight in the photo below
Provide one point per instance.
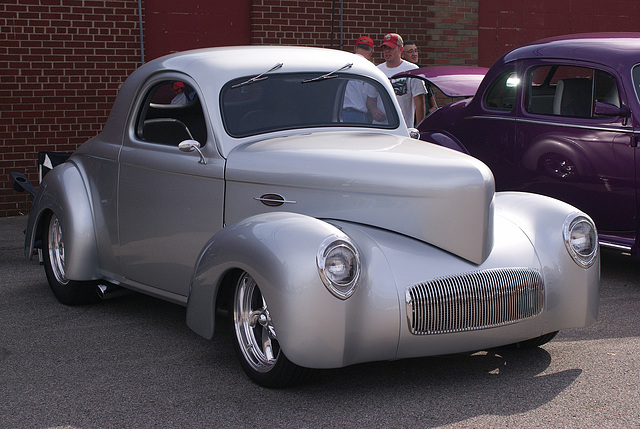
(339, 266)
(581, 240)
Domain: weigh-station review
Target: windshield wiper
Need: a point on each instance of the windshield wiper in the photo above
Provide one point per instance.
(329, 75)
(258, 78)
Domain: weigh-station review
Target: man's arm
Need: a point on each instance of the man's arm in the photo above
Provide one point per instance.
(432, 103)
(372, 107)
(420, 107)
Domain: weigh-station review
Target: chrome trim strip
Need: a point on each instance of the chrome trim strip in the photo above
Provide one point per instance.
(616, 246)
(628, 130)
(270, 200)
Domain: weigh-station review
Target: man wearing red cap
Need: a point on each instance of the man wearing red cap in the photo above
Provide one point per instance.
(409, 92)
(364, 47)
(360, 98)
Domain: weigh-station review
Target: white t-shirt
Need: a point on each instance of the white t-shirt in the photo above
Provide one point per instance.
(356, 93)
(405, 89)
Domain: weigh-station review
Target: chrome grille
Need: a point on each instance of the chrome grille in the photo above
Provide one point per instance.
(476, 300)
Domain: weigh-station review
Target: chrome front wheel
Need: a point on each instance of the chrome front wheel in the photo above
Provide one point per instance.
(256, 341)
(253, 327)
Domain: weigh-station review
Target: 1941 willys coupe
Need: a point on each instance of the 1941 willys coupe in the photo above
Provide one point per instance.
(254, 179)
(558, 117)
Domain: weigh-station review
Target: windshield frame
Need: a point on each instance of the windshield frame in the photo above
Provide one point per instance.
(276, 103)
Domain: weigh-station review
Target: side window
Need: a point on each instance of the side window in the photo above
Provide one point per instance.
(502, 92)
(606, 89)
(170, 113)
(539, 92)
(569, 90)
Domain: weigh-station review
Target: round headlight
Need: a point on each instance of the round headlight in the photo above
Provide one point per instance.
(581, 239)
(338, 266)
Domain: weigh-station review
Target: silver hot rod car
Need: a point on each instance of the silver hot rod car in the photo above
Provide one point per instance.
(281, 184)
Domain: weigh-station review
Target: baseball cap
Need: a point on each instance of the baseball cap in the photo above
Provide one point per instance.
(392, 40)
(364, 40)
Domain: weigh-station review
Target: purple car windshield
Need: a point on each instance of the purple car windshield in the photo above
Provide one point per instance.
(636, 80)
(453, 81)
(305, 100)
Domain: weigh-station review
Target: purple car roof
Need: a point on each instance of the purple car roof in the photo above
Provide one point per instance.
(596, 47)
(605, 48)
(453, 81)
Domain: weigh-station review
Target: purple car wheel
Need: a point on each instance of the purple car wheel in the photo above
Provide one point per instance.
(559, 166)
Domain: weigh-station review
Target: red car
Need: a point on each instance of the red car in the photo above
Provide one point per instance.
(558, 117)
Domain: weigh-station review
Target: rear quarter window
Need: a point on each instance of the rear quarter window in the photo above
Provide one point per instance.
(502, 92)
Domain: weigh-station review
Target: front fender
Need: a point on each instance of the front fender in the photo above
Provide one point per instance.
(443, 139)
(64, 193)
(277, 249)
(314, 327)
(575, 288)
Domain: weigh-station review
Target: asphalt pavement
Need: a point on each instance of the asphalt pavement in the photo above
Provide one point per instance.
(132, 362)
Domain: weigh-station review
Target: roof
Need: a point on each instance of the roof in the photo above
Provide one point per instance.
(225, 63)
(597, 47)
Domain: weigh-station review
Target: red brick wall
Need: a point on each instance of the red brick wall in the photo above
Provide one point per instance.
(445, 31)
(505, 25)
(61, 62)
(177, 26)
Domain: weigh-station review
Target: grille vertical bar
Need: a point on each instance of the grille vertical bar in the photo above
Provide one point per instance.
(476, 300)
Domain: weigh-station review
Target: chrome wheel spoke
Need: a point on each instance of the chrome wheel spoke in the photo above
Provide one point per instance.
(267, 347)
(56, 250)
(253, 327)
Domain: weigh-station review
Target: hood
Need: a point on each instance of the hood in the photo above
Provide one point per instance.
(453, 81)
(415, 188)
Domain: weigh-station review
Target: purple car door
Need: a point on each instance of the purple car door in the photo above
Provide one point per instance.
(575, 142)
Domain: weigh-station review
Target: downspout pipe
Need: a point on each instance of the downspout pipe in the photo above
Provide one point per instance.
(141, 32)
(341, 25)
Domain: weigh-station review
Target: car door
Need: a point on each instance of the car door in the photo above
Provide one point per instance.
(169, 201)
(569, 151)
(490, 123)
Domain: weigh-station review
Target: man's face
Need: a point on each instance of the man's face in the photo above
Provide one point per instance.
(410, 53)
(391, 54)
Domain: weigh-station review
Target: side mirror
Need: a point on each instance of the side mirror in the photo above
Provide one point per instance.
(414, 133)
(606, 109)
(190, 146)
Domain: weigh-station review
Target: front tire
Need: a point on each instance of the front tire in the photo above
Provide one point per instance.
(535, 342)
(256, 343)
(69, 292)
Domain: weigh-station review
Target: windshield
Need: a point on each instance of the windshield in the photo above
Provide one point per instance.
(301, 100)
(636, 80)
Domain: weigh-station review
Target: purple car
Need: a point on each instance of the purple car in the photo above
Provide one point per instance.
(559, 117)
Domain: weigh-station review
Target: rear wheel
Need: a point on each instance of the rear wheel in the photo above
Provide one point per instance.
(256, 340)
(67, 291)
(559, 167)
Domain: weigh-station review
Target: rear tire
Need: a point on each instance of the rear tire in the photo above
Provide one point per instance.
(559, 167)
(256, 343)
(69, 292)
